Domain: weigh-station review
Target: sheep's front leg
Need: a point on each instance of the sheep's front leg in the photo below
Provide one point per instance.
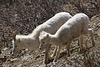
(91, 34)
(55, 50)
(47, 57)
(57, 53)
(68, 49)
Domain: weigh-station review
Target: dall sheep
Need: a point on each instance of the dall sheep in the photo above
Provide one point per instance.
(77, 26)
(31, 41)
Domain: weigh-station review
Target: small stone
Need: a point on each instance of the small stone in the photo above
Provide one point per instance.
(4, 49)
(43, 65)
(14, 59)
(20, 65)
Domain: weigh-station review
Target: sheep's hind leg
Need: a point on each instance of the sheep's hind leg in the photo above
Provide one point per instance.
(68, 49)
(54, 54)
(57, 54)
(81, 44)
(91, 34)
(78, 42)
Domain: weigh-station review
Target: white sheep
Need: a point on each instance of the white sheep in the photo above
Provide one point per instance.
(77, 26)
(31, 41)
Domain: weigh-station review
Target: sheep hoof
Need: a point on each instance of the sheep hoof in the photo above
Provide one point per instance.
(51, 59)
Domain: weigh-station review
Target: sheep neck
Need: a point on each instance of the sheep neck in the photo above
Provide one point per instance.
(53, 39)
(23, 37)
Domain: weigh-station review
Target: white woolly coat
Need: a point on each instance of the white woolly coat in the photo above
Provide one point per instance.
(73, 28)
(31, 41)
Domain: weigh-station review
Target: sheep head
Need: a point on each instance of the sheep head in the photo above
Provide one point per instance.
(44, 40)
(14, 43)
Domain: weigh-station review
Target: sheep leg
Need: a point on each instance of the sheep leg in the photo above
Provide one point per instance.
(48, 49)
(78, 42)
(46, 58)
(57, 54)
(47, 54)
(68, 49)
(55, 50)
(91, 34)
(81, 42)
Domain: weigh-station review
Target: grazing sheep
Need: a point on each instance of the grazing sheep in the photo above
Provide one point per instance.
(31, 41)
(77, 26)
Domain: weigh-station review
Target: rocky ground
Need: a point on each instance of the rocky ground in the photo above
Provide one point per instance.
(12, 18)
(35, 58)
